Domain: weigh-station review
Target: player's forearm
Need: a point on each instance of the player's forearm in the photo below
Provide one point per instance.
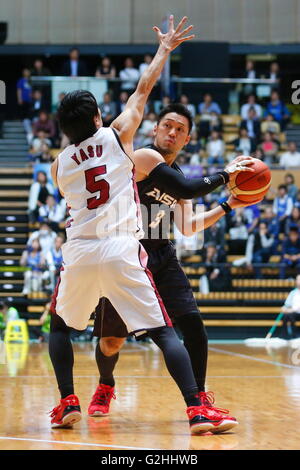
(206, 219)
(180, 187)
(153, 71)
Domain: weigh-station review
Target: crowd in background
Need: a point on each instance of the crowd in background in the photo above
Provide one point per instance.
(257, 232)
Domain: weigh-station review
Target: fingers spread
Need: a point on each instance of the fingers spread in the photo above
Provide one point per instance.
(171, 22)
(186, 30)
(180, 24)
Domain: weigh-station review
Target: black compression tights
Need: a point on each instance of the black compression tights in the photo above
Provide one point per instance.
(176, 359)
(61, 354)
(195, 341)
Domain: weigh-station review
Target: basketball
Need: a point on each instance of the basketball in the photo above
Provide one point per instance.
(249, 186)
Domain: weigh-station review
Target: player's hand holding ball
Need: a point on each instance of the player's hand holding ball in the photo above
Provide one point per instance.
(249, 186)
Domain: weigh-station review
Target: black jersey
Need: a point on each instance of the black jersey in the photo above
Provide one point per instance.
(157, 210)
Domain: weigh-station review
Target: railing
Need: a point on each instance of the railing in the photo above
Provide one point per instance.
(228, 89)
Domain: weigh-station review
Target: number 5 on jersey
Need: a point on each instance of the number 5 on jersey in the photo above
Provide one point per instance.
(94, 186)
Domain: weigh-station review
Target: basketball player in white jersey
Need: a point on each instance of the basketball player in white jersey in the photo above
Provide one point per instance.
(102, 256)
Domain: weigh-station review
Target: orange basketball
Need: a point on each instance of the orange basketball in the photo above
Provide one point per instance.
(252, 186)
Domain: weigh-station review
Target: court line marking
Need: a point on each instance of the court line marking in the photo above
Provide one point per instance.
(146, 377)
(257, 359)
(90, 444)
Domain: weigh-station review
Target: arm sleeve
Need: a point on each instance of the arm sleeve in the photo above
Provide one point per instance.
(182, 188)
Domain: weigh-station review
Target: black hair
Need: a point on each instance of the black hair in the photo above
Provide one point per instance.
(294, 229)
(282, 186)
(177, 108)
(76, 115)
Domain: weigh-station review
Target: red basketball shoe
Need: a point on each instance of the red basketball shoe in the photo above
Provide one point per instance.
(100, 402)
(203, 419)
(207, 400)
(66, 413)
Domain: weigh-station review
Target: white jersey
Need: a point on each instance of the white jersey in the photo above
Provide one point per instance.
(97, 179)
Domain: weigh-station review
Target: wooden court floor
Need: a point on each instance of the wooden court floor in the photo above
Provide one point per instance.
(261, 388)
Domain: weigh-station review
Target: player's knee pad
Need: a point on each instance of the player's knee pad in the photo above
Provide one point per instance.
(192, 327)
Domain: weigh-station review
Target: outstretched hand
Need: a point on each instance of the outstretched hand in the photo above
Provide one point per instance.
(174, 37)
(235, 203)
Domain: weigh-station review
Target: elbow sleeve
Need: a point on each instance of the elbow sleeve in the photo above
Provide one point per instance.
(180, 187)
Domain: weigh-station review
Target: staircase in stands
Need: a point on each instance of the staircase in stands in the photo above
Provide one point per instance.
(13, 145)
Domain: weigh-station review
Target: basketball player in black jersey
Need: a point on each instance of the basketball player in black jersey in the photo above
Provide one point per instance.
(157, 197)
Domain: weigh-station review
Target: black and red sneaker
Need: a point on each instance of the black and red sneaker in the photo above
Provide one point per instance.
(100, 402)
(66, 413)
(207, 400)
(203, 419)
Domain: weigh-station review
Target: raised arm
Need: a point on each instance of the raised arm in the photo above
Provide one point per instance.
(129, 120)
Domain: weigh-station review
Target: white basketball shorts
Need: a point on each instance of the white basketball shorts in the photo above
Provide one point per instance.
(114, 268)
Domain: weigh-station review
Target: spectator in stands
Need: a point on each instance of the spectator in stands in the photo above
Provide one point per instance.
(37, 104)
(291, 310)
(24, 98)
(282, 206)
(262, 245)
(274, 73)
(38, 194)
(290, 252)
(238, 233)
(108, 109)
(270, 125)
(45, 236)
(144, 135)
(215, 278)
(44, 123)
(184, 99)
(38, 142)
(250, 69)
(147, 61)
(215, 234)
(215, 123)
(271, 221)
(39, 70)
(215, 149)
(74, 66)
(291, 158)
(51, 212)
(193, 149)
(123, 98)
(129, 76)
(33, 259)
(6, 314)
(269, 147)
(251, 103)
(106, 69)
(24, 93)
(293, 220)
(297, 201)
(42, 162)
(252, 214)
(292, 189)
(278, 109)
(54, 260)
(252, 124)
(208, 106)
(244, 145)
